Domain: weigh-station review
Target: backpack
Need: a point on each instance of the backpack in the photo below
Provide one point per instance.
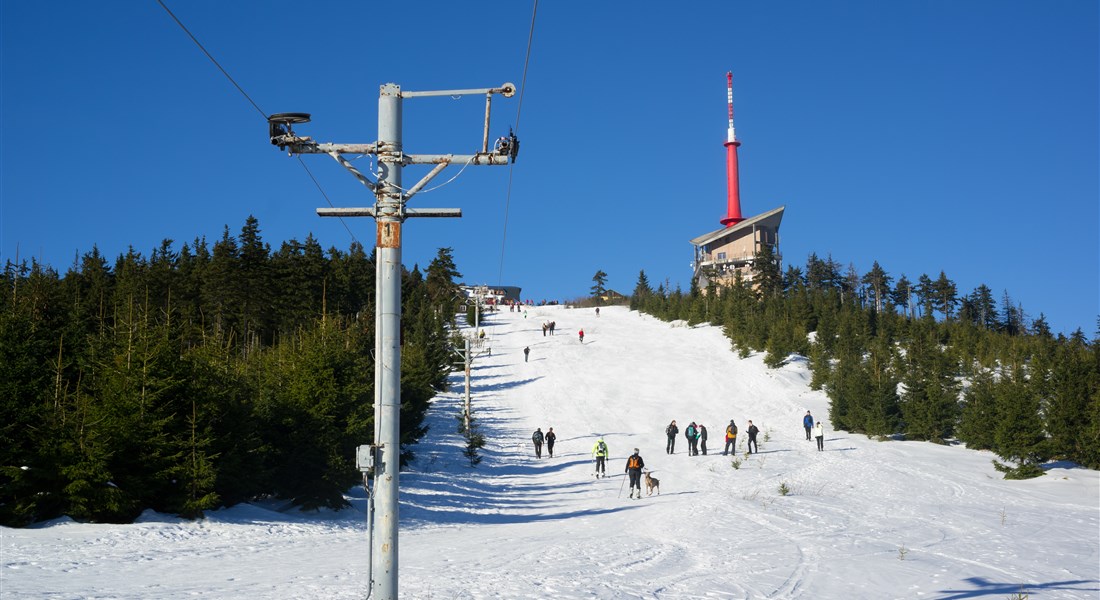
(632, 462)
(601, 448)
(731, 431)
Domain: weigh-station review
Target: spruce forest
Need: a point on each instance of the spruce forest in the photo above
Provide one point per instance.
(203, 377)
(217, 374)
(912, 360)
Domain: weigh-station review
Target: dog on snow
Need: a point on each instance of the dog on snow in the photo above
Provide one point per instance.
(652, 483)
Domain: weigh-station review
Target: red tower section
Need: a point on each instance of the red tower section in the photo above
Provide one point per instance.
(733, 191)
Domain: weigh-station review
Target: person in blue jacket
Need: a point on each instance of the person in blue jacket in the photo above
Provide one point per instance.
(808, 423)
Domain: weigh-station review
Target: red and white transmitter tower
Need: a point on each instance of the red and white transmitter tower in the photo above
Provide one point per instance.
(733, 191)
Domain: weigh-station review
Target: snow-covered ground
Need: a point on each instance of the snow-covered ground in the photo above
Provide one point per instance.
(863, 519)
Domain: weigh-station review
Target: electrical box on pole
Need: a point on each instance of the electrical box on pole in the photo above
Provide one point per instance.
(390, 211)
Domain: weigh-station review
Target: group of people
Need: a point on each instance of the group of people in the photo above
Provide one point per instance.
(634, 466)
(539, 438)
(696, 435)
(817, 429)
(548, 326)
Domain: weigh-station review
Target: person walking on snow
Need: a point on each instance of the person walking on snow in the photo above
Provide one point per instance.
(808, 423)
(753, 430)
(634, 466)
(551, 437)
(537, 438)
(581, 334)
(692, 436)
(600, 452)
(731, 439)
(671, 431)
(703, 438)
(526, 353)
(819, 433)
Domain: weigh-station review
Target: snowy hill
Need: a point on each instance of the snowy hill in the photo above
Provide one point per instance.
(863, 519)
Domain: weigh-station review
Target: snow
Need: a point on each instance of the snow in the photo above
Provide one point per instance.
(863, 519)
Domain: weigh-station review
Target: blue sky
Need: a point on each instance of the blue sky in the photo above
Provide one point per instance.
(929, 136)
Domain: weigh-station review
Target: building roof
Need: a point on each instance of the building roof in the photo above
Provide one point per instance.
(770, 218)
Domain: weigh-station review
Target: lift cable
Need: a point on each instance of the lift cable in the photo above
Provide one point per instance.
(251, 101)
(519, 109)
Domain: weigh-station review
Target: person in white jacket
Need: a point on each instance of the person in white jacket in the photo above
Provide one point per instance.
(819, 433)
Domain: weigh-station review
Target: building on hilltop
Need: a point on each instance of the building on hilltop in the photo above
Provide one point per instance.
(719, 256)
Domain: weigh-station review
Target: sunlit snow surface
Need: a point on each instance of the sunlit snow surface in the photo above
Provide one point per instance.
(863, 519)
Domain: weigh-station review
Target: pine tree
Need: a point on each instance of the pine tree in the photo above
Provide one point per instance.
(878, 285)
(642, 292)
(598, 290)
(979, 412)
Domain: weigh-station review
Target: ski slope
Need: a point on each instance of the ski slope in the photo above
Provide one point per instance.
(863, 519)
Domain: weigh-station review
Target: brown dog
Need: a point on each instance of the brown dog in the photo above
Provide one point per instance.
(652, 483)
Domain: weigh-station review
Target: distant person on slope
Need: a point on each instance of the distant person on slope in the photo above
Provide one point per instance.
(526, 353)
(703, 438)
(692, 436)
(598, 314)
(581, 334)
(634, 466)
(753, 430)
(551, 437)
(671, 431)
(537, 438)
(600, 452)
(808, 423)
(731, 439)
(819, 433)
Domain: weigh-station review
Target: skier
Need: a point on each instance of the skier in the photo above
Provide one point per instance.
(537, 438)
(808, 423)
(692, 439)
(671, 431)
(634, 466)
(600, 452)
(597, 311)
(702, 429)
(819, 433)
(550, 438)
(753, 430)
(526, 353)
(581, 334)
(731, 439)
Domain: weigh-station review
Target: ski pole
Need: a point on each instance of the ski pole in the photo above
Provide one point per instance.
(621, 488)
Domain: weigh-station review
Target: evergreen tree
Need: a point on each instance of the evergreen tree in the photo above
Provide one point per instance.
(945, 295)
(642, 292)
(442, 289)
(598, 290)
(979, 412)
(929, 404)
(878, 286)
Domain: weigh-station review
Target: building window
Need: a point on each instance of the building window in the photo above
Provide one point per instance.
(721, 256)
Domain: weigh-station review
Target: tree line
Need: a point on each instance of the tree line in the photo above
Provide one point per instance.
(913, 360)
(202, 377)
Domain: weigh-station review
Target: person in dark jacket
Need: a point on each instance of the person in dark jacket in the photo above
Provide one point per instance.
(538, 438)
(526, 353)
(703, 438)
(634, 466)
(808, 423)
(671, 431)
(731, 439)
(551, 437)
(753, 430)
